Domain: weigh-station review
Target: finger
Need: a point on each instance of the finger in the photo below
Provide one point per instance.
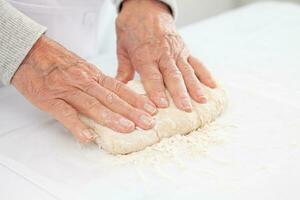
(68, 116)
(128, 95)
(92, 108)
(117, 105)
(154, 85)
(125, 71)
(191, 81)
(202, 73)
(175, 84)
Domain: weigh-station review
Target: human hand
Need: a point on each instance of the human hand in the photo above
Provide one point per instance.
(64, 85)
(147, 41)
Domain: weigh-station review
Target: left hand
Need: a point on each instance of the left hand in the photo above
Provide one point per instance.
(147, 41)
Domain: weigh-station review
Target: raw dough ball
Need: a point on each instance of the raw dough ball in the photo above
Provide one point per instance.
(121, 143)
(169, 122)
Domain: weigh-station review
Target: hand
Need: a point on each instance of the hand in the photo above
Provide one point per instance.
(64, 85)
(147, 41)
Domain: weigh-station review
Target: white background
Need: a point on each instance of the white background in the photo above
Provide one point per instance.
(195, 10)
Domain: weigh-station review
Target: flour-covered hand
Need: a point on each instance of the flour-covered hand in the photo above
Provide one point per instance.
(59, 82)
(147, 42)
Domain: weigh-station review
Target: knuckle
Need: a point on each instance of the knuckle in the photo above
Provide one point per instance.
(110, 98)
(57, 105)
(190, 79)
(102, 79)
(98, 76)
(93, 68)
(154, 76)
(89, 87)
(133, 114)
(165, 62)
(180, 92)
(169, 70)
(73, 94)
(184, 65)
(67, 112)
(61, 110)
(174, 74)
(118, 87)
(166, 68)
(91, 104)
(193, 84)
(105, 114)
(194, 88)
(158, 93)
(182, 95)
(79, 73)
(105, 117)
(187, 69)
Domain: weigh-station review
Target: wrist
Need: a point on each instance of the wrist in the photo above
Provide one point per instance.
(145, 5)
(36, 60)
(27, 62)
(137, 12)
(31, 54)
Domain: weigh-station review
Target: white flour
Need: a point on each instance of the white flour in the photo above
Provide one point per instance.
(175, 148)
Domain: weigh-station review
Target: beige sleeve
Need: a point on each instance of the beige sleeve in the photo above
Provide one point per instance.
(18, 33)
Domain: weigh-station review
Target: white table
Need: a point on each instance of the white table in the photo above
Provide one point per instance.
(255, 52)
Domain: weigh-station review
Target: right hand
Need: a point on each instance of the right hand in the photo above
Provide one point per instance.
(148, 43)
(64, 85)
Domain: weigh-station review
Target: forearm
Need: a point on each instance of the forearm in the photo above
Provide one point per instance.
(18, 33)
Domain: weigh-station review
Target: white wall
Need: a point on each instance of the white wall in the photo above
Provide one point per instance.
(195, 10)
(242, 2)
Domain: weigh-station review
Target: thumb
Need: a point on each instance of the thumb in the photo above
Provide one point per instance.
(125, 71)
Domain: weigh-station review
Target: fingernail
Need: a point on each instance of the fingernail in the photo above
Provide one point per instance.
(163, 102)
(148, 121)
(150, 108)
(88, 134)
(126, 123)
(203, 100)
(212, 83)
(200, 96)
(186, 104)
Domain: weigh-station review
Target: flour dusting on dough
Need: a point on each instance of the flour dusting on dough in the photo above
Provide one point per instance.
(177, 147)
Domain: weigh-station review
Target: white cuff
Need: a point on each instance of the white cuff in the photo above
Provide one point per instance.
(171, 3)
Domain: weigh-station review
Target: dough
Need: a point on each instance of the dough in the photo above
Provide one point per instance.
(169, 122)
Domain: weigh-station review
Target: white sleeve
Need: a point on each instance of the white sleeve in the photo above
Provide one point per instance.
(171, 3)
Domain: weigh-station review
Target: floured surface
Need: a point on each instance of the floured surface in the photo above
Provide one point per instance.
(255, 53)
(169, 122)
(179, 147)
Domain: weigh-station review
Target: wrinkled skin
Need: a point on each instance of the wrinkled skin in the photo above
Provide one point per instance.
(64, 85)
(147, 42)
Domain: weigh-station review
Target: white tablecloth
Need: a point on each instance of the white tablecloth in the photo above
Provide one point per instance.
(255, 52)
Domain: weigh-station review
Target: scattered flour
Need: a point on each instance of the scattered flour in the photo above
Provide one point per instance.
(177, 147)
